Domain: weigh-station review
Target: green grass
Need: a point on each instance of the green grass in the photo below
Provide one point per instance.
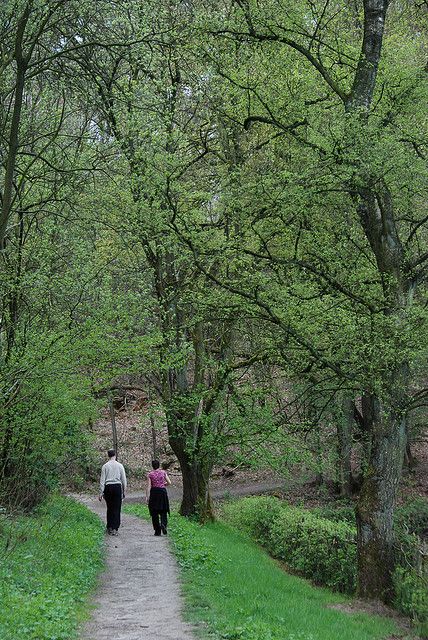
(48, 564)
(235, 591)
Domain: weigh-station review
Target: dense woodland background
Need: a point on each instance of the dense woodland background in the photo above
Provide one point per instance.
(224, 204)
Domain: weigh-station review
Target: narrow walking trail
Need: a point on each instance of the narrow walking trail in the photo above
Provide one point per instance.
(138, 596)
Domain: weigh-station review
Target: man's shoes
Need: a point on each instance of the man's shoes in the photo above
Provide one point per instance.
(114, 532)
(157, 533)
(164, 531)
(109, 531)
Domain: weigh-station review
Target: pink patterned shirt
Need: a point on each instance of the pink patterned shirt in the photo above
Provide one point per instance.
(157, 478)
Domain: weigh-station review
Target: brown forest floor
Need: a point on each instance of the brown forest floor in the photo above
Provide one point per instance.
(298, 486)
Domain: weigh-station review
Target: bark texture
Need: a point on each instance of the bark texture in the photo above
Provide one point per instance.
(376, 504)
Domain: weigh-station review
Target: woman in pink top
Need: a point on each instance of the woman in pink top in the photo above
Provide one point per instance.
(157, 497)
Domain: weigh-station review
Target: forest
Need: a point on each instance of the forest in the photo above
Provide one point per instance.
(223, 203)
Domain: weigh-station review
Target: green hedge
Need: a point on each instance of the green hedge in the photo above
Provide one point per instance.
(336, 514)
(314, 547)
(411, 596)
(48, 563)
(324, 548)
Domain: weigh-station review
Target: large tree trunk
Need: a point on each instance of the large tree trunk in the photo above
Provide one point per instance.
(21, 68)
(195, 472)
(375, 507)
(196, 495)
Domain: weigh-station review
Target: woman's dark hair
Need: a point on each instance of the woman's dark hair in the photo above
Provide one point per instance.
(155, 464)
(111, 453)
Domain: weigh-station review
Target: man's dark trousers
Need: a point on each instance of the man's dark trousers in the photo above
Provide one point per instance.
(113, 498)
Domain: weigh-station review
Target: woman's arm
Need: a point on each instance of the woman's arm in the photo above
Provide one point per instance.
(167, 480)
(148, 487)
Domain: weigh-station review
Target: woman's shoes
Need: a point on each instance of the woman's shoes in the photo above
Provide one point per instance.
(164, 531)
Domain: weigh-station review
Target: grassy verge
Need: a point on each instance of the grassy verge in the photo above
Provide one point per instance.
(321, 545)
(48, 564)
(235, 591)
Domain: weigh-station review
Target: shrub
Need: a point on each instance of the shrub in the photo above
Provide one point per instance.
(317, 548)
(254, 515)
(39, 438)
(413, 517)
(336, 514)
(411, 596)
(324, 550)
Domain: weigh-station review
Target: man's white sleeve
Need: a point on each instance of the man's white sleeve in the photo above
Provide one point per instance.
(123, 478)
(102, 480)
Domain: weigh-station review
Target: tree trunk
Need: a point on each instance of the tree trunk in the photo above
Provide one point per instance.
(196, 496)
(21, 68)
(113, 427)
(409, 459)
(375, 509)
(196, 474)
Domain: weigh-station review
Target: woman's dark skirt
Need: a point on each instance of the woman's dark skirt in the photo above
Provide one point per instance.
(158, 500)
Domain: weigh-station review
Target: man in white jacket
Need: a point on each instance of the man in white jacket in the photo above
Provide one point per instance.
(112, 489)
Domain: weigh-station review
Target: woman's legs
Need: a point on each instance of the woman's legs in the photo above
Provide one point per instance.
(164, 521)
(155, 521)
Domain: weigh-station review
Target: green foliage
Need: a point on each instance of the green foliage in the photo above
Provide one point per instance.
(48, 565)
(315, 547)
(413, 517)
(410, 517)
(234, 591)
(336, 514)
(320, 544)
(44, 436)
(411, 596)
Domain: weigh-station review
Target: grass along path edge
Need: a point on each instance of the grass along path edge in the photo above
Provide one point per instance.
(49, 563)
(234, 591)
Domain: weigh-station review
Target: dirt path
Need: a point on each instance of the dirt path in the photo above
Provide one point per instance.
(238, 490)
(138, 597)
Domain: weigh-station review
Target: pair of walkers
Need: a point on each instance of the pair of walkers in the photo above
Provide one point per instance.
(113, 488)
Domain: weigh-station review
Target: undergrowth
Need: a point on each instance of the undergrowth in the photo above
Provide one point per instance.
(48, 564)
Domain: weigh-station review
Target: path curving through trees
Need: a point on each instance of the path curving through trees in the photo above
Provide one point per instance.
(138, 595)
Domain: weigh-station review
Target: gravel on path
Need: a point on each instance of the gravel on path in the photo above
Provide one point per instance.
(138, 595)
